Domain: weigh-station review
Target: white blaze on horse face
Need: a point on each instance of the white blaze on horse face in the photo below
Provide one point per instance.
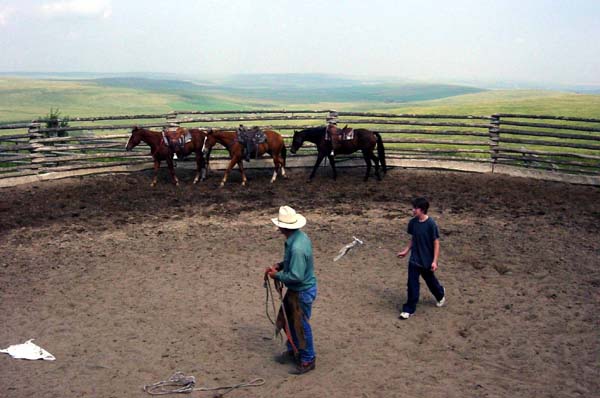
(128, 141)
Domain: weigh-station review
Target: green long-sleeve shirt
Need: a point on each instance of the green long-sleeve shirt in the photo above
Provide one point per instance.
(297, 268)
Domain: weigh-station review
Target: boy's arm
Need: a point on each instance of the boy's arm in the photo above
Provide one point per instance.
(436, 254)
(404, 252)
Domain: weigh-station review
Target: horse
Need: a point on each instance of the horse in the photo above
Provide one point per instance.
(363, 140)
(158, 149)
(273, 145)
(166, 143)
(195, 144)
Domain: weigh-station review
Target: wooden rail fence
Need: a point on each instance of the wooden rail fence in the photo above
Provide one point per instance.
(539, 146)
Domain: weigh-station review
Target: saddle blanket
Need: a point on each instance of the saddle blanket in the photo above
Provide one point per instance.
(170, 138)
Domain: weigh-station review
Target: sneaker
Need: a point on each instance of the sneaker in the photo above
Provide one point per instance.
(304, 367)
(286, 357)
(405, 315)
(441, 302)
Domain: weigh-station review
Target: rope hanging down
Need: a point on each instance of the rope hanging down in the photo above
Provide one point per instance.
(286, 324)
(179, 383)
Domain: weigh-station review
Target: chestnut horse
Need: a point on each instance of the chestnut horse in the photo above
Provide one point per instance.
(194, 145)
(364, 140)
(160, 150)
(274, 146)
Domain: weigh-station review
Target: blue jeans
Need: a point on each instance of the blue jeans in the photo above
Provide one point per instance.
(306, 298)
(414, 272)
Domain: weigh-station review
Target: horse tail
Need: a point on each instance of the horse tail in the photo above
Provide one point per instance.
(284, 154)
(381, 152)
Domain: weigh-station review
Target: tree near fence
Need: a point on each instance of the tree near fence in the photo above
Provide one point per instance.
(53, 120)
(554, 147)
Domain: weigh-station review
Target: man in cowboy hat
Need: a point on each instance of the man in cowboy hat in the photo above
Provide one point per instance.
(296, 272)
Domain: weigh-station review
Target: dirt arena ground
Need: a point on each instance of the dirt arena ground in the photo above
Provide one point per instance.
(126, 284)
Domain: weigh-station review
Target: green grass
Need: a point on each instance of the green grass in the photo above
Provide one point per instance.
(535, 102)
(27, 99)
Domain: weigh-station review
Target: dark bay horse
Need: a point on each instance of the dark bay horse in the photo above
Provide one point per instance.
(274, 146)
(364, 140)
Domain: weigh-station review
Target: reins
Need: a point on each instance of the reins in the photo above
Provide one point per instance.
(286, 326)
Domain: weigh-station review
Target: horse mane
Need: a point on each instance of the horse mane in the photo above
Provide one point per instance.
(314, 130)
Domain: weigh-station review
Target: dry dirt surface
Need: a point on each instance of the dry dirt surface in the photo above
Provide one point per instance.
(127, 284)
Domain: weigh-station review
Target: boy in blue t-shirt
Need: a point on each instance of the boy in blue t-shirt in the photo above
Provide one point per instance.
(424, 247)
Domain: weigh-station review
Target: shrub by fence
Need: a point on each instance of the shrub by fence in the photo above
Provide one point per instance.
(540, 146)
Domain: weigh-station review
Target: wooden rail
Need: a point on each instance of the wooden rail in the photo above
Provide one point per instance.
(565, 147)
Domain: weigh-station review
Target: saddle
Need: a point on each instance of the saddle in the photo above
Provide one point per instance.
(250, 138)
(337, 136)
(176, 139)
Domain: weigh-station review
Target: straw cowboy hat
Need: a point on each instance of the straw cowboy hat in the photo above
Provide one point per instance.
(289, 219)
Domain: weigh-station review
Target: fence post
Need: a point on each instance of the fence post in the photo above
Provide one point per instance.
(34, 132)
(494, 132)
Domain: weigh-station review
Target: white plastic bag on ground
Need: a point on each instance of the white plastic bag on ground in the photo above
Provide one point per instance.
(28, 350)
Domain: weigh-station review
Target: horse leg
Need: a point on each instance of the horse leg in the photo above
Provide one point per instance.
(320, 157)
(241, 167)
(199, 167)
(376, 161)
(278, 163)
(367, 159)
(282, 166)
(156, 168)
(172, 171)
(232, 163)
(274, 173)
(332, 163)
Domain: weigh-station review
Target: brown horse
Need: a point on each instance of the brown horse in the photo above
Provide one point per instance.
(158, 149)
(195, 141)
(364, 140)
(274, 146)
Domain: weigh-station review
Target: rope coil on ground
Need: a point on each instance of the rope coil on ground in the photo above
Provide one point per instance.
(179, 383)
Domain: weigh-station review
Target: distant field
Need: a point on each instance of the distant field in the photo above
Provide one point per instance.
(27, 99)
(535, 102)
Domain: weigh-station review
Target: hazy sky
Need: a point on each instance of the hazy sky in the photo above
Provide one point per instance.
(556, 41)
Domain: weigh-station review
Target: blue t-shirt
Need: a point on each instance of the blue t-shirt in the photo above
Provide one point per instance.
(423, 235)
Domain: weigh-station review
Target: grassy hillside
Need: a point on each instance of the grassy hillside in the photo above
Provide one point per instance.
(22, 100)
(291, 89)
(534, 102)
(26, 99)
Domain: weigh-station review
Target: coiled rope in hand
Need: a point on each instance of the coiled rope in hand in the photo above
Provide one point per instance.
(179, 383)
